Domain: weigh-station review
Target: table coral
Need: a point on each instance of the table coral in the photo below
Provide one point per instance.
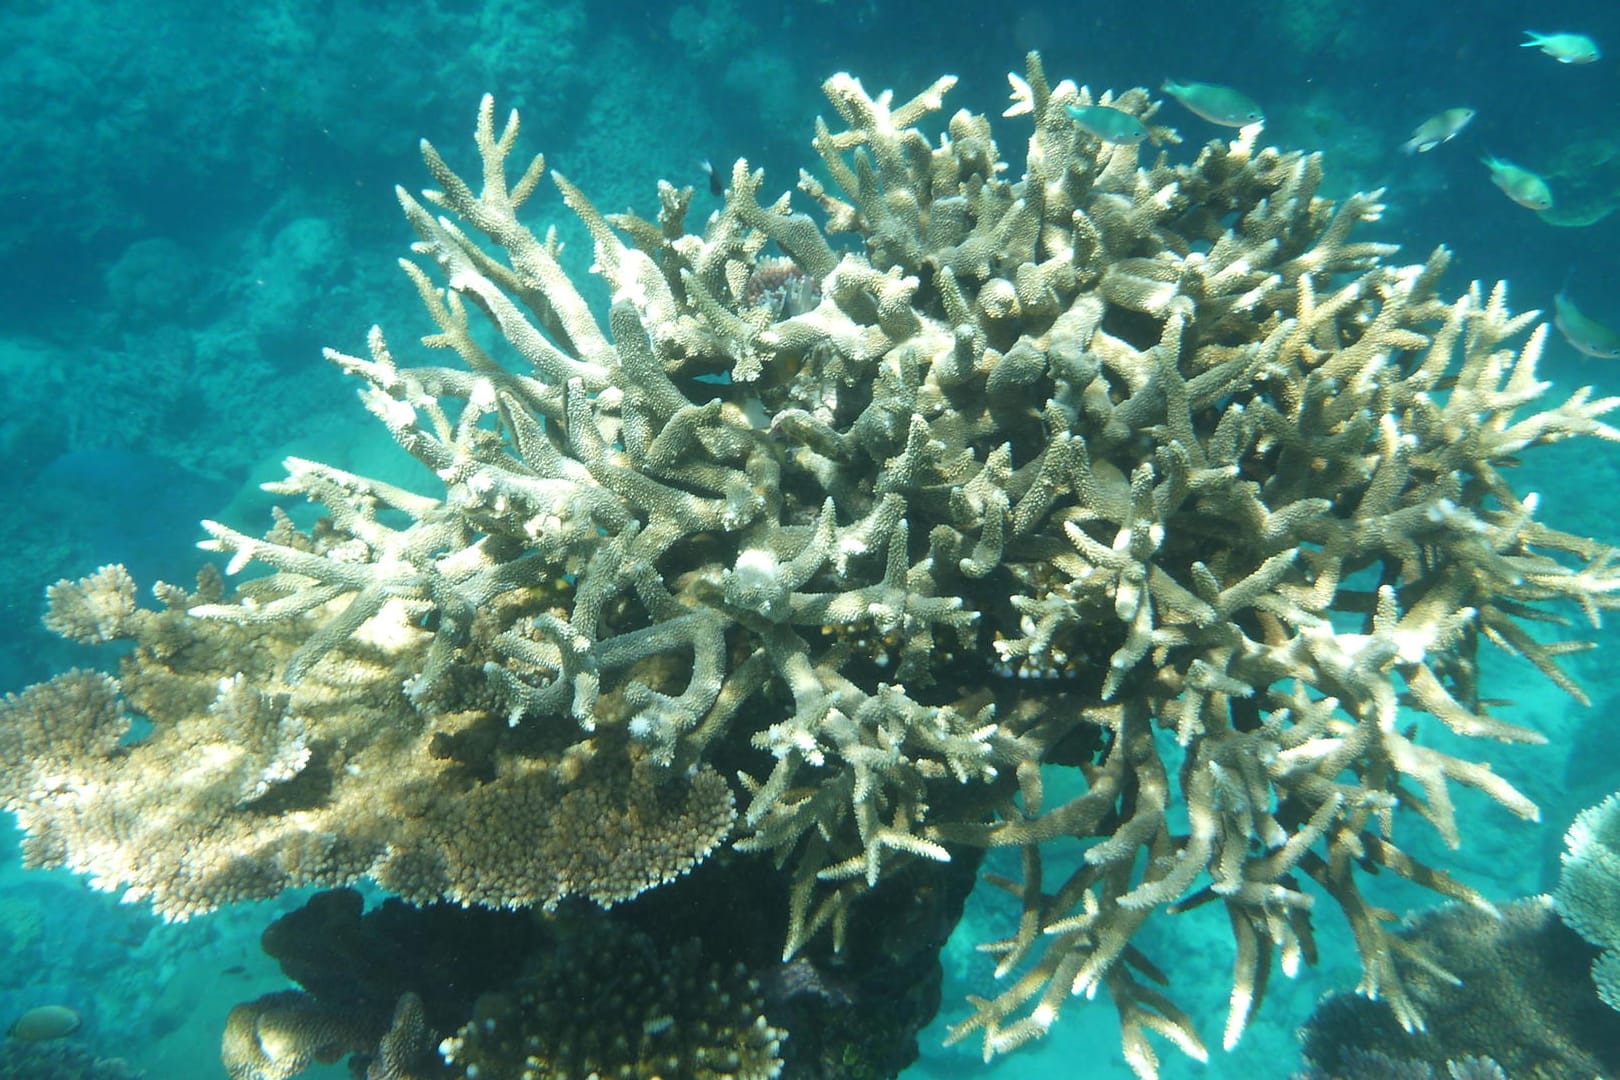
(1149, 472)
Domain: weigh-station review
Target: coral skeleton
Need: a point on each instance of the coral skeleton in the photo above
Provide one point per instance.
(831, 538)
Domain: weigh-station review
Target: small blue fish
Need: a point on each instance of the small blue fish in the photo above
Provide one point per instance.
(1217, 104)
(1106, 123)
(1519, 184)
(1439, 128)
(1586, 334)
(1564, 48)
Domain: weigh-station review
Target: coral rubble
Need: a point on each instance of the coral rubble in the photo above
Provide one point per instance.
(832, 540)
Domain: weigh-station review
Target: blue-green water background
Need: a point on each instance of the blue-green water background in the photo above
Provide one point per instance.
(198, 197)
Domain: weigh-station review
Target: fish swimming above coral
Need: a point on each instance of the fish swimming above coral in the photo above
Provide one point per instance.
(1564, 48)
(1218, 104)
(717, 182)
(1521, 185)
(1107, 123)
(1442, 127)
(1588, 336)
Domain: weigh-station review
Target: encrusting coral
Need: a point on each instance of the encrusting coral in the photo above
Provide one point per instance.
(1147, 473)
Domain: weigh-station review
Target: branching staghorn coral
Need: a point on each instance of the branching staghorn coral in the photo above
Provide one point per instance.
(1145, 472)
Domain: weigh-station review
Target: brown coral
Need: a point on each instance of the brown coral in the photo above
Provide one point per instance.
(406, 1047)
(616, 1003)
(246, 784)
(610, 833)
(94, 609)
(279, 1035)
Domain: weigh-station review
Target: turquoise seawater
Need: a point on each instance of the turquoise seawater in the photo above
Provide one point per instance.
(198, 198)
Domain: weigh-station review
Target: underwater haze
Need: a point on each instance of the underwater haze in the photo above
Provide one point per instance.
(199, 199)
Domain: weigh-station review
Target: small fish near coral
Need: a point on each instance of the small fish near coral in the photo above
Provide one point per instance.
(1218, 104)
(717, 182)
(1519, 184)
(1584, 333)
(1564, 48)
(1107, 123)
(1442, 127)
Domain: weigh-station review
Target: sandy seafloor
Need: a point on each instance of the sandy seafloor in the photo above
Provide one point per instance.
(196, 201)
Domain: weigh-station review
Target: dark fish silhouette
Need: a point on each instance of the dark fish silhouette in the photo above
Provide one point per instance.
(717, 185)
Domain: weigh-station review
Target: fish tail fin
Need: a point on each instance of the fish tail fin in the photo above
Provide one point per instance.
(1534, 40)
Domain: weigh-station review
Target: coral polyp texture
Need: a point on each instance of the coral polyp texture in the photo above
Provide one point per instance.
(1588, 892)
(832, 538)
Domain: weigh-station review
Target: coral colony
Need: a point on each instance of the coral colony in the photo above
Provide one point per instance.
(844, 544)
